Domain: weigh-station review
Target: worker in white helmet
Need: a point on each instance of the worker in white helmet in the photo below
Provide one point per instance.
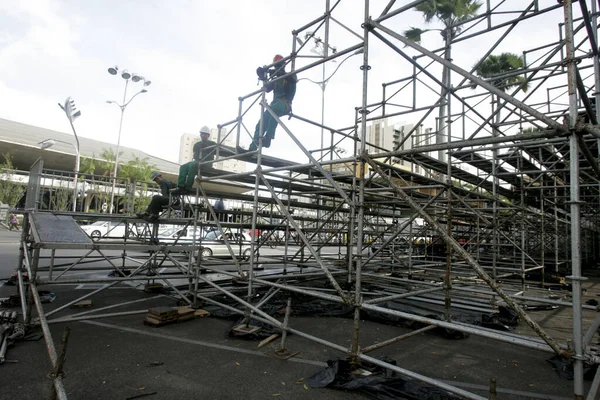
(204, 150)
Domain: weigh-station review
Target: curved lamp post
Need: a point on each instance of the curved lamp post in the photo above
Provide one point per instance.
(72, 114)
(127, 76)
(46, 144)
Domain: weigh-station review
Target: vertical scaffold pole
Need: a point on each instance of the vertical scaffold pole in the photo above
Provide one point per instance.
(255, 240)
(361, 193)
(576, 278)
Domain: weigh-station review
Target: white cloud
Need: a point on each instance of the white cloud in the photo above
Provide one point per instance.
(200, 57)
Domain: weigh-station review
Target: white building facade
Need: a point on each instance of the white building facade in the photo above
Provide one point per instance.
(186, 150)
(384, 137)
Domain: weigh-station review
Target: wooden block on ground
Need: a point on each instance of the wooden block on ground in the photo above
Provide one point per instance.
(162, 312)
(185, 318)
(200, 313)
(268, 340)
(83, 303)
(153, 287)
(246, 329)
(185, 311)
(157, 322)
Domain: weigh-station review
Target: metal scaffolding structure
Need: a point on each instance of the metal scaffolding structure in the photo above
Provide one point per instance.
(508, 201)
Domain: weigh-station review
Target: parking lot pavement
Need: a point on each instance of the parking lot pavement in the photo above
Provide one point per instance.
(119, 357)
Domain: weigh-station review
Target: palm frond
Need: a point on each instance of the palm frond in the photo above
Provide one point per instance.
(414, 34)
(429, 10)
(496, 66)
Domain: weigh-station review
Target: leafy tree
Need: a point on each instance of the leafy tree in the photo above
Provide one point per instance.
(10, 192)
(502, 64)
(87, 166)
(107, 165)
(137, 172)
(449, 13)
(95, 190)
(496, 66)
(60, 199)
(136, 169)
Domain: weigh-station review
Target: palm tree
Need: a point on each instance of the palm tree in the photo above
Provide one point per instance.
(495, 68)
(137, 170)
(109, 156)
(87, 166)
(449, 13)
(499, 66)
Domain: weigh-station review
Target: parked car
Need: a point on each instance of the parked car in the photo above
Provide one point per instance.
(105, 229)
(212, 243)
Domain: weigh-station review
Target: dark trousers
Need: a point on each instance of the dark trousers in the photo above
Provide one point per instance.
(280, 107)
(157, 203)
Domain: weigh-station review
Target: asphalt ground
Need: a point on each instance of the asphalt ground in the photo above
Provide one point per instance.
(120, 357)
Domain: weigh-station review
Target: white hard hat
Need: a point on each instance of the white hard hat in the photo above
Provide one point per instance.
(205, 129)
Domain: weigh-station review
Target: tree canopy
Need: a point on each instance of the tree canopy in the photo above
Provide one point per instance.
(498, 65)
(449, 12)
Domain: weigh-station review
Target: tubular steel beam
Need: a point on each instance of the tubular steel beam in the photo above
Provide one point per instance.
(469, 259)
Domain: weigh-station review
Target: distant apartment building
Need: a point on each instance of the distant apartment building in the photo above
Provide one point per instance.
(384, 137)
(186, 150)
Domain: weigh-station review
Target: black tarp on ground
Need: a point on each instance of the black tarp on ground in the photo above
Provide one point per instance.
(564, 368)
(303, 305)
(381, 383)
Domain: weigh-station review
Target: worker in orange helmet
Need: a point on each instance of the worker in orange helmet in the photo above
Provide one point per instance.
(283, 90)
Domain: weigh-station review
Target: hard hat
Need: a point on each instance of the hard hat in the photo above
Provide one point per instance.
(205, 129)
(155, 175)
(277, 58)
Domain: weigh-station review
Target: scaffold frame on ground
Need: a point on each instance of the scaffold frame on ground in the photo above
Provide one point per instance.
(508, 203)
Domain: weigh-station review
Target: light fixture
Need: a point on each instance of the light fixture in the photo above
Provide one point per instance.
(125, 74)
(147, 82)
(109, 101)
(143, 91)
(136, 78)
(46, 144)
(113, 70)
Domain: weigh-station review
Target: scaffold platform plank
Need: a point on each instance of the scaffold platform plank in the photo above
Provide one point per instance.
(58, 229)
(486, 165)
(441, 167)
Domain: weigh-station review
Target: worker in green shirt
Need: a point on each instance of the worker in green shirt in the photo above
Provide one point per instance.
(284, 91)
(158, 200)
(204, 150)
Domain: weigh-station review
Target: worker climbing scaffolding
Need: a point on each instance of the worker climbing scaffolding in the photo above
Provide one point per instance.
(283, 90)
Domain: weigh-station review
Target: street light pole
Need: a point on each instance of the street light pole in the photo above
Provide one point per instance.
(324, 83)
(114, 182)
(72, 114)
(135, 78)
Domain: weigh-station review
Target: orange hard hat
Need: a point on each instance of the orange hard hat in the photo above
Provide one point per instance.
(277, 58)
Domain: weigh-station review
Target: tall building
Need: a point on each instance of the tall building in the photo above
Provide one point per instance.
(186, 150)
(380, 137)
(384, 137)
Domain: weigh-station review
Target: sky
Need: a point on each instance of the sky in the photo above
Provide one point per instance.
(200, 56)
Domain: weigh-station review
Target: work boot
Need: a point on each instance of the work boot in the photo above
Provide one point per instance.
(153, 217)
(143, 215)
